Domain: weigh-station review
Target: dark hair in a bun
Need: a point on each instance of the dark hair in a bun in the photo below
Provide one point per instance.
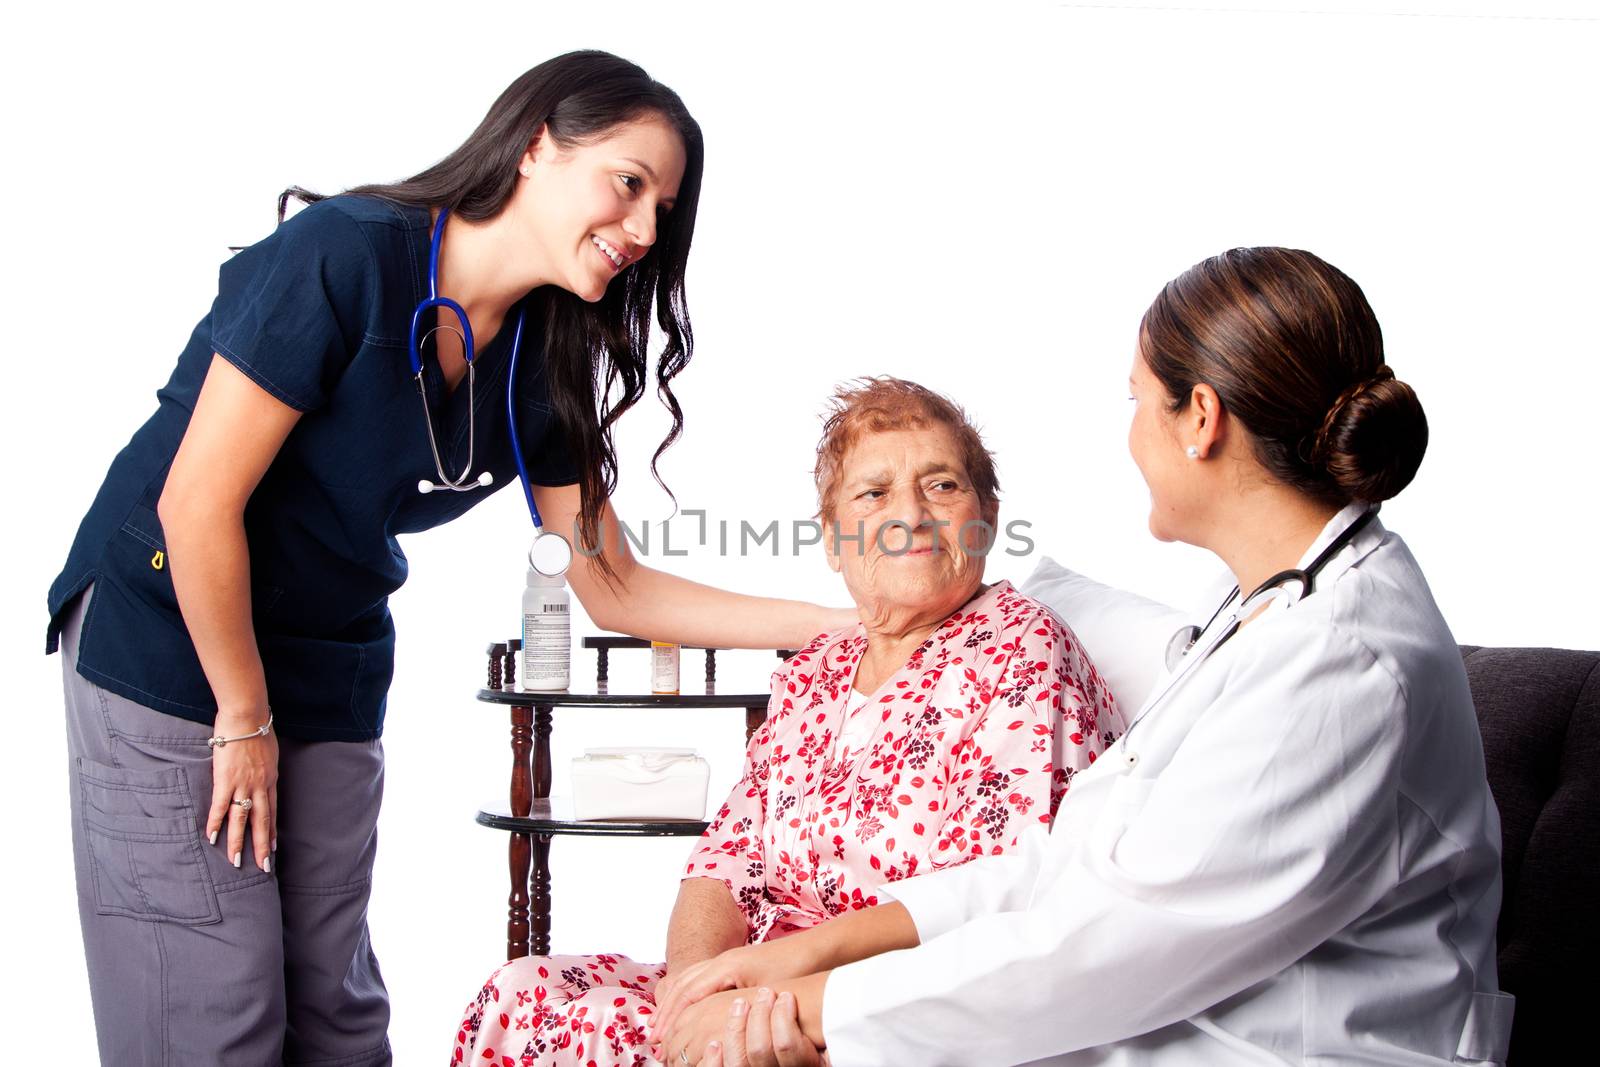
(1294, 351)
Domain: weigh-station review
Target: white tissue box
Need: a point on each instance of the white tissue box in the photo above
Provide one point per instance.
(639, 783)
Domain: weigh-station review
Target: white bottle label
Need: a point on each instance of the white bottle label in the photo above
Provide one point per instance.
(546, 647)
(663, 667)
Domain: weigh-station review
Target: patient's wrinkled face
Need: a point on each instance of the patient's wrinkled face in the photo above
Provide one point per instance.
(909, 532)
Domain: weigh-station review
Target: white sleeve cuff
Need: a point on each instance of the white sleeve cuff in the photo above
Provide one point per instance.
(942, 900)
(845, 1026)
(934, 910)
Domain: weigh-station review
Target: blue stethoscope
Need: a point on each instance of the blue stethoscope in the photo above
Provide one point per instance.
(550, 553)
(1290, 587)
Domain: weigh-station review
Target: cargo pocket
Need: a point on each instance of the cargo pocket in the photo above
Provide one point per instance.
(144, 846)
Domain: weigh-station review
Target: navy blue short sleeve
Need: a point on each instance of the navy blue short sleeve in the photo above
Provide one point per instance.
(552, 464)
(549, 459)
(317, 314)
(544, 440)
(290, 309)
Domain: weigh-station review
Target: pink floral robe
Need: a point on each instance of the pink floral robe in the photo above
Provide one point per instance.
(975, 738)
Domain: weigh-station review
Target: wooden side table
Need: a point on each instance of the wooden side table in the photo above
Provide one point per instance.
(534, 818)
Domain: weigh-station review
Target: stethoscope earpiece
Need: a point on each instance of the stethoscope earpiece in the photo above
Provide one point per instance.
(483, 481)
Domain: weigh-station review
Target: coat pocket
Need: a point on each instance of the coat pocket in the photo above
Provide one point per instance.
(143, 845)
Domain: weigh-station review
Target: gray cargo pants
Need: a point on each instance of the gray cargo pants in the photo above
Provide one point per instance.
(194, 962)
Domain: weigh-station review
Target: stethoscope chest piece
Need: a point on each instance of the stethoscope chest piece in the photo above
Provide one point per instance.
(550, 554)
(1180, 644)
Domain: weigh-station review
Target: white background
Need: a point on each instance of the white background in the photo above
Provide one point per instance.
(983, 199)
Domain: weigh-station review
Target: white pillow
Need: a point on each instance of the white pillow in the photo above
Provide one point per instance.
(1126, 635)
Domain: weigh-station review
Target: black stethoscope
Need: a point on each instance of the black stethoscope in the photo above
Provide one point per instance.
(550, 553)
(1290, 587)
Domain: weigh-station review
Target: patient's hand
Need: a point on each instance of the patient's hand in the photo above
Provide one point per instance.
(746, 967)
(668, 991)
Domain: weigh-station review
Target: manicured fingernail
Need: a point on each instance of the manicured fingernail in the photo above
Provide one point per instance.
(237, 857)
(274, 844)
(764, 993)
(214, 836)
(266, 865)
(713, 1046)
(738, 1005)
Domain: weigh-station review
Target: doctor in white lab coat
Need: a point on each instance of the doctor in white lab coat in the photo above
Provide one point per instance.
(1292, 856)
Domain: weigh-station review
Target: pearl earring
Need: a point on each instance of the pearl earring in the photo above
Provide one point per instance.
(1193, 451)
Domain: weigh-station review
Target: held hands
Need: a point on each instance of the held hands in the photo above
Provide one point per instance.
(245, 770)
(745, 967)
(742, 1028)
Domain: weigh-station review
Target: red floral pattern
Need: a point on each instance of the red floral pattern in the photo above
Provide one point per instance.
(975, 738)
(589, 1010)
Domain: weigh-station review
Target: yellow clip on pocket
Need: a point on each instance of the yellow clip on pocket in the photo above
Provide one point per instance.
(158, 560)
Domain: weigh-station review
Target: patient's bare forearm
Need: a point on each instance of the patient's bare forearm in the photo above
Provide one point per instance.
(705, 922)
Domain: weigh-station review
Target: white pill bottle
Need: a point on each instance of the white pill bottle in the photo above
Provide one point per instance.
(663, 668)
(546, 634)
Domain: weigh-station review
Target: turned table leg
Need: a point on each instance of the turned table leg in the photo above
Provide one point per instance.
(517, 925)
(520, 846)
(541, 894)
(542, 720)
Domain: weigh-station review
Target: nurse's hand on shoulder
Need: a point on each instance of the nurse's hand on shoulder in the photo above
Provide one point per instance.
(244, 770)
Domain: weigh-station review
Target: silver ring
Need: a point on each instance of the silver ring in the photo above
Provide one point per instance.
(683, 1054)
(246, 804)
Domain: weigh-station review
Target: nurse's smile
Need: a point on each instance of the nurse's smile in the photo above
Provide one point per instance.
(615, 259)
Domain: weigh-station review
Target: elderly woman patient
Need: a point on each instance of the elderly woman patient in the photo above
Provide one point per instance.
(929, 734)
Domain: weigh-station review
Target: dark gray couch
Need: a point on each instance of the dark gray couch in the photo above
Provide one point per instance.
(1539, 710)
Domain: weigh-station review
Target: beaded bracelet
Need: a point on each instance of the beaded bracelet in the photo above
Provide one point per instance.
(218, 742)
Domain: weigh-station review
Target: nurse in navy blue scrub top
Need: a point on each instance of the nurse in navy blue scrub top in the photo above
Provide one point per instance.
(234, 568)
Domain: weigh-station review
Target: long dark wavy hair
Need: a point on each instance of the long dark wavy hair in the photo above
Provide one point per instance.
(589, 348)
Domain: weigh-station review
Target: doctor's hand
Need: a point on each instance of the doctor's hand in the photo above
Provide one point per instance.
(765, 1034)
(747, 967)
(244, 770)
